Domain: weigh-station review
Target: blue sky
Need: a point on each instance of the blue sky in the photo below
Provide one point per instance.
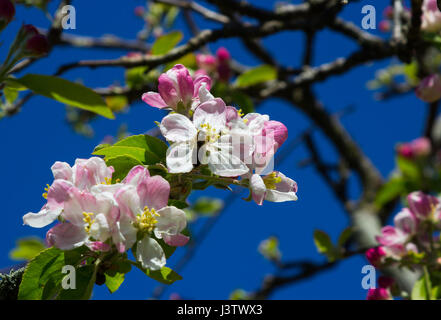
(227, 259)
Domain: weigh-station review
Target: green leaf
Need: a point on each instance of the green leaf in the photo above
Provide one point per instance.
(419, 291)
(166, 42)
(389, 191)
(189, 60)
(165, 275)
(67, 92)
(344, 236)
(113, 282)
(143, 148)
(178, 203)
(11, 94)
(256, 75)
(122, 166)
(47, 265)
(85, 280)
(207, 206)
(324, 244)
(27, 249)
(409, 168)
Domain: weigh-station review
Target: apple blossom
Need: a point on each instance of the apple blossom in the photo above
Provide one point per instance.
(83, 175)
(274, 187)
(146, 206)
(177, 90)
(375, 256)
(422, 205)
(208, 126)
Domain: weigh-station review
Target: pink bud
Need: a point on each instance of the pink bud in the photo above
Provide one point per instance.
(422, 205)
(139, 11)
(223, 54)
(384, 26)
(206, 62)
(405, 150)
(421, 146)
(375, 256)
(378, 294)
(385, 282)
(429, 89)
(277, 129)
(431, 17)
(37, 46)
(7, 12)
(388, 12)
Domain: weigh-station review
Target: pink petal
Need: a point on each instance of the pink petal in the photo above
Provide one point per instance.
(154, 192)
(154, 99)
(199, 81)
(168, 91)
(177, 240)
(66, 236)
(136, 174)
(62, 170)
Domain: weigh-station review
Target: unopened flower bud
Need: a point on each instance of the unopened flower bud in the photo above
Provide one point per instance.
(429, 89)
(378, 294)
(7, 12)
(36, 46)
(375, 256)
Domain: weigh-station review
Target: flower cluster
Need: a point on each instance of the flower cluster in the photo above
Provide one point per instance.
(217, 66)
(104, 216)
(203, 131)
(412, 235)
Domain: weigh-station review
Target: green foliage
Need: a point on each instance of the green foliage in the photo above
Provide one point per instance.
(85, 280)
(165, 275)
(113, 282)
(256, 75)
(122, 166)
(67, 92)
(389, 191)
(239, 294)
(207, 206)
(143, 148)
(27, 249)
(39, 271)
(324, 245)
(422, 289)
(166, 42)
(269, 248)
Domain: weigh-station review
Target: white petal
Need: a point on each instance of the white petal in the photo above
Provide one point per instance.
(278, 196)
(226, 165)
(43, 218)
(177, 128)
(100, 229)
(181, 157)
(150, 254)
(171, 221)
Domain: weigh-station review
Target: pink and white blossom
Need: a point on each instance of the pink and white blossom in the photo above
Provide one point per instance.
(177, 90)
(275, 187)
(431, 17)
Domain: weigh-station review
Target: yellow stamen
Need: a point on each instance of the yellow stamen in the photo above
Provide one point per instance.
(47, 190)
(107, 181)
(88, 219)
(271, 180)
(146, 220)
(210, 133)
(240, 113)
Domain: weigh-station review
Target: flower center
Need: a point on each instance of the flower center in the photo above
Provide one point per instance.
(107, 181)
(271, 180)
(88, 219)
(47, 190)
(210, 133)
(146, 220)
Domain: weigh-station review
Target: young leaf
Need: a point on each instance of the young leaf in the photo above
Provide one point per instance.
(389, 191)
(344, 236)
(419, 291)
(48, 264)
(256, 75)
(67, 92)
(324, 244)
(27, 249)
(207, 206)
(122, 166)
(113, 282)
(165, 275)
(144, 148)
(166, 42)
